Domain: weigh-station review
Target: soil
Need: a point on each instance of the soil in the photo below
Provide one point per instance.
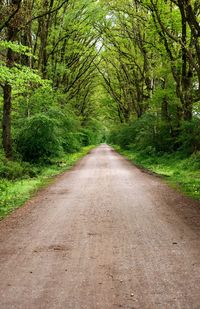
(103, 235)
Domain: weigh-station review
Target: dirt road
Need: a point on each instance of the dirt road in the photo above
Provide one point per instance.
(104, 235)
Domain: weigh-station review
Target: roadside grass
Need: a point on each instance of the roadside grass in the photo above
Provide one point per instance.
(21, 183)
(183, 173)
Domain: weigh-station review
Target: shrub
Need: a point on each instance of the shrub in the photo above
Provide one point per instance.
(38, 139)
(69, 128)
(138, 133)
(146, 134)
(71, 142)
(15, 170)
(11, 170)
(92, 133)
(190, 136)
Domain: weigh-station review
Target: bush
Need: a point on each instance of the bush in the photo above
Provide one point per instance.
(92, 133)
(190, 136)
(192, 162)
(10, 170)
(69, 128)
(146, 134)
(71, 142)
(15, 170)
(38, 139)
(138, 133)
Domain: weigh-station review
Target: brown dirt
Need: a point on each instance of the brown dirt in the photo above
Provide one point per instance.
(104, 235)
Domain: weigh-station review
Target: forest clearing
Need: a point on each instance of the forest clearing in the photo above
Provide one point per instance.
(85, 87)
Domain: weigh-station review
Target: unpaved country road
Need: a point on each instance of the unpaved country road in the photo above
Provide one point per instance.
(104, 235)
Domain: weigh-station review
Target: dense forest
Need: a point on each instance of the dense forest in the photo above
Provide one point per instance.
(154, 75)
(77, 73)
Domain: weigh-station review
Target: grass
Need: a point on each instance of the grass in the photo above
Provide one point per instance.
(179, 171)
(15, 192)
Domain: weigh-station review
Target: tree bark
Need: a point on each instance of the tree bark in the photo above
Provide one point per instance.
(6, 121)
(12, 31)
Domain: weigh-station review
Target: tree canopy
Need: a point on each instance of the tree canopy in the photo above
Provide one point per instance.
(82, 69)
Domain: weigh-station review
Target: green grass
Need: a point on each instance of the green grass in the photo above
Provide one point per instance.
(15, 192)
(181, 172)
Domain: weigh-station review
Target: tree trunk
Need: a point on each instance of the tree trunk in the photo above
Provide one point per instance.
(7, 105)
(6, 121)
(11, 36)
(44, 32)
(165, 111)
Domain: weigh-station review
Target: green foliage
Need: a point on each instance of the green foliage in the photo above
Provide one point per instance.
(38, 139)
(150, 136)
(20, 76)
(69, 135)
(189, 138)
(72, 142)
(141, 133)
(92, 65)
(16, 47)
(70, 132)
(93, 133)
(14, 170)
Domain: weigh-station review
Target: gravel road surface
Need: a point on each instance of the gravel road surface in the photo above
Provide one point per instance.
(103, 235)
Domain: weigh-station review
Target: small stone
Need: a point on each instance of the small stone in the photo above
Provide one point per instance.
(132, 294)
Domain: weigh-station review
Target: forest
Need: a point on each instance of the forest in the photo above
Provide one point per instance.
(76, 73)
